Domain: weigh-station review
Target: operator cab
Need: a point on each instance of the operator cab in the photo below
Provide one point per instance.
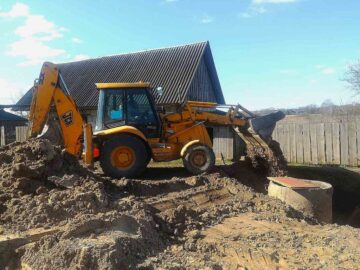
(128, 104)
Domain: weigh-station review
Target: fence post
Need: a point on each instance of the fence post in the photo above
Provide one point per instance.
(2, 135)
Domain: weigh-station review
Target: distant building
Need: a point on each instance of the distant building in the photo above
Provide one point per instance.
(184, 72)
(8, 124)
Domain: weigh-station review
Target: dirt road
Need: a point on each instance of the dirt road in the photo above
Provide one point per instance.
(55, 214)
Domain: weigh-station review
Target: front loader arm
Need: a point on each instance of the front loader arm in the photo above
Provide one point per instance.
(254, 131)
(47, 92)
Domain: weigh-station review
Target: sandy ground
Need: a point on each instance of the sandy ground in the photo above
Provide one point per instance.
(55, 214)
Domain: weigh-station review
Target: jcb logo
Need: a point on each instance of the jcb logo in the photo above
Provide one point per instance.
(67, 118)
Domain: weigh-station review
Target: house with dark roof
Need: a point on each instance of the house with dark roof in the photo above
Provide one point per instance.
(184, 72)
(8, 124)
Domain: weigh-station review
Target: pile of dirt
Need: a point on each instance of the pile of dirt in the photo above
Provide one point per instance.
(53, 208)
(25, 167)
(41, 186)
(55, 214)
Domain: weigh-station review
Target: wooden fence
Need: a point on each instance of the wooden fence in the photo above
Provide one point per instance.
(320, 139)
(304, 139)
(22, 133)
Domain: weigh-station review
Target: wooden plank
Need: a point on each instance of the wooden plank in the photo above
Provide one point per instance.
(344, 142)
(274, 134)
(320, 138)
(352, 143)
(216, 142)
(358, 141)
(286, 142)
(2, 136)
(336, 143)
(22, 133)
(280, 136)
(313, 142)
(306, 138)
(328, 144)
(299, 144)
(292, 143)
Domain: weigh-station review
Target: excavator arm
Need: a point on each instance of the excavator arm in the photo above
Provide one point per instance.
(50, 90)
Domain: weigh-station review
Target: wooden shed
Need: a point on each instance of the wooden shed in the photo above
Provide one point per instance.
(8, 124)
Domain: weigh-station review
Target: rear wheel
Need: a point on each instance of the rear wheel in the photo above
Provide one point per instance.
(123, 156)
(199, 158)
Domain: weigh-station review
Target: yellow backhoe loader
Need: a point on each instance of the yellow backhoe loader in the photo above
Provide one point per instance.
(130, 131)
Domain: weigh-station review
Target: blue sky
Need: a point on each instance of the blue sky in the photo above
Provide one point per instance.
(268, 53)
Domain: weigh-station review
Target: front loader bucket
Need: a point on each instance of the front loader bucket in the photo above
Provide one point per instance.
(264, 125)
(261, 150)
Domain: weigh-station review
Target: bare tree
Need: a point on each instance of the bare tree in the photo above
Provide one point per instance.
(352, 76)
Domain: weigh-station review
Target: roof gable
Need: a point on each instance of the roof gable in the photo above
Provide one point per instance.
(172, 68)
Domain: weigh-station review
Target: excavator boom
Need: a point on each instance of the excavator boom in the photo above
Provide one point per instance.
(49, 93)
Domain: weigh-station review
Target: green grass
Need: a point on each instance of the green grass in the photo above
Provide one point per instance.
(179, 164)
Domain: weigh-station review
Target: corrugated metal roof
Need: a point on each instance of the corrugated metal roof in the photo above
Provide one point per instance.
(172, 68)
(9, 117)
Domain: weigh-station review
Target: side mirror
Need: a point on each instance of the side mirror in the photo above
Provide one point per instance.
(159, 91)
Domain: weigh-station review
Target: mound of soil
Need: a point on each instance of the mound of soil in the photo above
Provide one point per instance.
(55, 214)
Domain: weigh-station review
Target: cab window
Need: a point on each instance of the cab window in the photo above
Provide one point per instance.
(139, 110)
(114, 107)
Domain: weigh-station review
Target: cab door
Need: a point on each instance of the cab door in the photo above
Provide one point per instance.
(141, 113)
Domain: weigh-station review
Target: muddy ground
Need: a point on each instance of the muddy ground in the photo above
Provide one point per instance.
(55, 214)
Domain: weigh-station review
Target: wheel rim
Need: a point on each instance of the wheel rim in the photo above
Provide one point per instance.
(123, 157)
(198, 158)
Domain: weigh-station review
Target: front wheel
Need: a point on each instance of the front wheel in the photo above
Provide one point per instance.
(124, 156)
(199, 158)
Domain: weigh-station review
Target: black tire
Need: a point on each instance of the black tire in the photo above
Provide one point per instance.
(139, 156)
(202, 155)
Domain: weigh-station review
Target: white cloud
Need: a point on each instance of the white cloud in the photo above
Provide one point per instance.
(81, 57)
(253, 11)
(17, 10)
(37, 27)
(261, 2)
(325, 69)
(256, 7)
(206, 19)
(10, 92)
(34, 36)
(328, 71)
(76, 40)
(34, 51)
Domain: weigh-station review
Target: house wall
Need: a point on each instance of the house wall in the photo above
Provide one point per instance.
(201, 88)
(227, 144)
